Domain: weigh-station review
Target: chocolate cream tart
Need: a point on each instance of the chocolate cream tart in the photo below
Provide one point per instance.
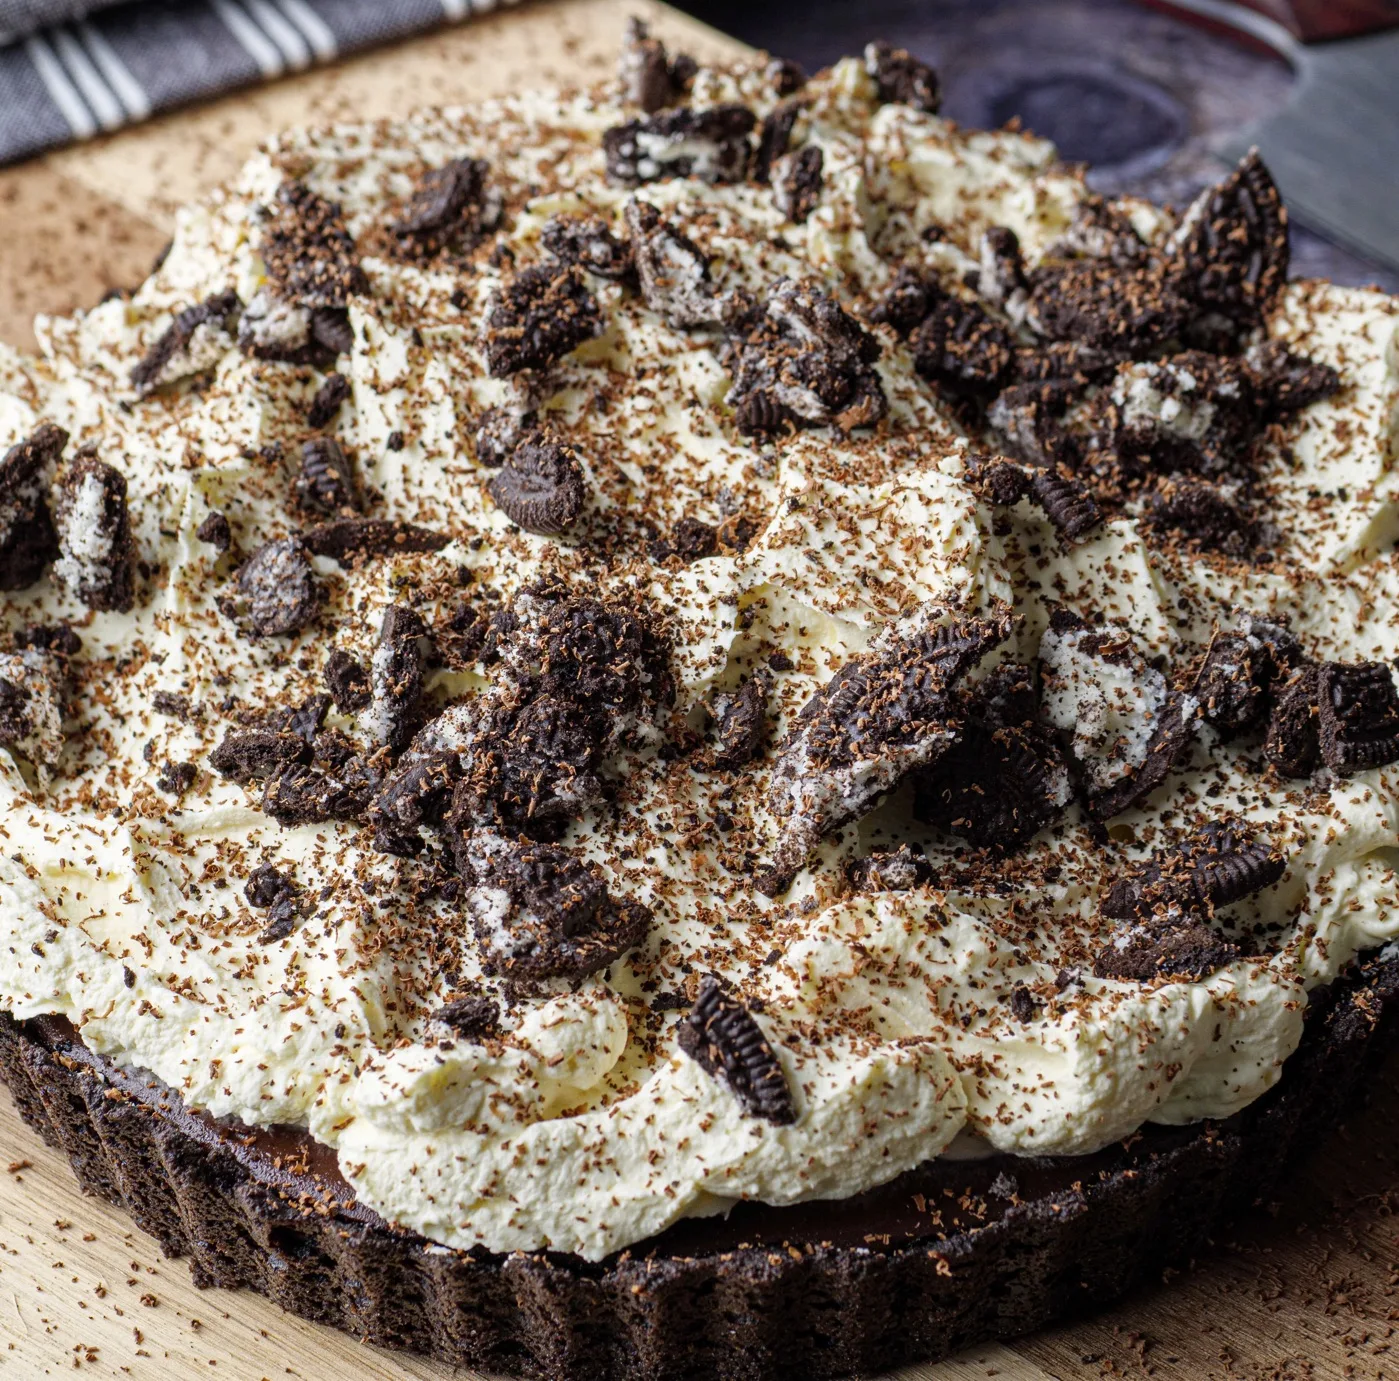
(705, 728)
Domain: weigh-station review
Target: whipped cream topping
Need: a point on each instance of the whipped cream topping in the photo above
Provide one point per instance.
(581, 1126)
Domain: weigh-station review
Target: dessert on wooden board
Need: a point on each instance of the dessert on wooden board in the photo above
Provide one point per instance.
(706, 727)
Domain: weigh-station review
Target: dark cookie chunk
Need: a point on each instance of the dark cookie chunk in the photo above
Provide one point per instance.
(884, 714)
(449, 210)
(277, 590)
(277, 328)
(785, 76)
(396, 678)
(797, 186)
(331, 394)
(32, 694)
(176, 777)
(58, 638)
(559, 919)
(1293, 743)
(585, 242)
(1029, 419)
(689, 539)
(673, 271)
(1186, 948)
(1000, 482)
(1100, 230)
(1358, 724)
(195, 341)
(710, 144)
(1128, 310)
(177, 706)
(347, 681)
(959, 345)
(1287, 383)
(415, 794)
(460, 635)
(1024, 1005)
(216, 531)
(649, 78)
(300, 795)
(905, 302)
(1002, 280)
(540, 487)
(901, 77)
(803, 359)
(1004, 779)
(1233, 683)
(472, 1016)
(538, 317)
(268, 889)
(1232, 250)
(356, 539)
(304, 719)
(95, 552)
(27, 539)
(499, 431)
(1170, 742)
(253, 754)
(898, 870)
(774, 134)
(722, 1037)
(326, 484)
(740, 724)
(533, 770)
(1202, 513)
(310, 255)
(1066, 503)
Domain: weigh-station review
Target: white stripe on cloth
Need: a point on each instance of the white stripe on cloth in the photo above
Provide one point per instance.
(456, 9)
(313, 28)
(294, 48)
(254, 42)
(118, 75)
(61, 91)
(88, 80)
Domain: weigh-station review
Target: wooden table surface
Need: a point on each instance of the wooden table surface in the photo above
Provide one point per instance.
(1306, 1294)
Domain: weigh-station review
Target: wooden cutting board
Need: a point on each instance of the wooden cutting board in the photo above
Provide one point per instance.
(1306, 1295)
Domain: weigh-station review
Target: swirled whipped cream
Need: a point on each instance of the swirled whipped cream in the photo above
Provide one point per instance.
(610, 653)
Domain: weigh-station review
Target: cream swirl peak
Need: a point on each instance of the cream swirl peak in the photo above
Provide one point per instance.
(611, 653)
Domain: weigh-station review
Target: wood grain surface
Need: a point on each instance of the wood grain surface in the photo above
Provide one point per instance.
(1309, 1292)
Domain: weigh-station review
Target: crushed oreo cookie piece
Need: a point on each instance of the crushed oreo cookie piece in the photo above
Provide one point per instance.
(774, 134)
(449, 211)
(902, 78)
(1029, 419)
(905, 302)
(1129, 311)
(355, 539)
(310, 255)
(297, 794)
(1293, 742)
(1024, 1005)
(1287, 383)
(347, 681)
(96, 555)
(27, 539)
(324, 406)
(251, 755)
(460, 635)
(499, 432)
(585, 242)
(472, 1016)
(740, 724)
(960, 346)
(1002, 281)
(416, 793)
(1233, 683)
(690, 540)
(274, 328)
(197, 339)
(271, 890)
(1204, 514)
(649, 78)
(1066, 502)
(1358, 720)
(58, 638)
(710, 144)
(1231, 252)
(539, 912)
(785, 76)
(1100, 230)
(326, 484)
(32, 695)
(885, 713)
(538, 317)
(897, 870)
(721, 1035)
(1000, 482)
(1184, 948)
(215, 530)
(394, 711)
(672, 270)
(176, 777)
(797, 183)
(804, 359)
(277, 592)
(540, 487)
(304, 719)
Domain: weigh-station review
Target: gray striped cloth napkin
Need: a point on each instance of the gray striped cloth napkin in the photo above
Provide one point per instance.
(70, 69)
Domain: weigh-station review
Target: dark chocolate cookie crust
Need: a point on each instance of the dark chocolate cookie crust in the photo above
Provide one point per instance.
(799, 1309)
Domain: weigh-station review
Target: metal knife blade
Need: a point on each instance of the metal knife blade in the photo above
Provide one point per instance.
(1334, 149)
